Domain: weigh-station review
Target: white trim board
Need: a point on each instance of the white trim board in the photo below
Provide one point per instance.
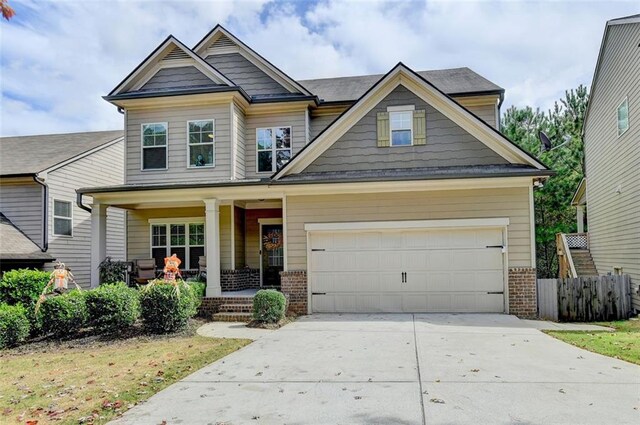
(407, 225)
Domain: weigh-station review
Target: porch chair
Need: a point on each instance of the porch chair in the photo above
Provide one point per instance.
(145, 270)
(202, 266)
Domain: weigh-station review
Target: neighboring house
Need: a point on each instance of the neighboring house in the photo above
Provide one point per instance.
(39, 219)
(610, 193)
(391, 193)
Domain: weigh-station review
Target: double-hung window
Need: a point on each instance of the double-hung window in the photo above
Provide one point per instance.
(273, 147)
(62, 218)
(201, 143)
(623, 117)
(186, 240)
(401, 126)
(154, 146)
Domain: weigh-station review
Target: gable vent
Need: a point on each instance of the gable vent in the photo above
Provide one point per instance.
(176, 54)
(222, 42)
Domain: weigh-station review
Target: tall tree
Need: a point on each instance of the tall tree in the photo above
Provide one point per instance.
(553, 210)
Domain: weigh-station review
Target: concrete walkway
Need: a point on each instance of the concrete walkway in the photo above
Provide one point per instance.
(231, 330)
(402, 369)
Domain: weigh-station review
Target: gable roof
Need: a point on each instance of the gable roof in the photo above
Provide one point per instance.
(29, 155)
(631, 19)
(15, 245)
(402, 75)
(269, 68)
(451, 81)
(175, 51)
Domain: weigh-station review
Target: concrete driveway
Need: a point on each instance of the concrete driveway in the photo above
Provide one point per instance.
(403, 369)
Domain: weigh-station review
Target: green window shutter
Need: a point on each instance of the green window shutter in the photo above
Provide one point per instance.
(383, 130)
(420, 127)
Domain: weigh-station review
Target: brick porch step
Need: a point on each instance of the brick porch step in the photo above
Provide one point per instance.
(232, 317)
(235, 308)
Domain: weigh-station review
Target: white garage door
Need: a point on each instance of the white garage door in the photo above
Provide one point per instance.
(407, 271)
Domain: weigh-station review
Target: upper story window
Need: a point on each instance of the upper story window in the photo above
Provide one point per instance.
(201, 143)
(62, 218)
(154, 146)
(623, 117)
(273, 147)
(401, 125)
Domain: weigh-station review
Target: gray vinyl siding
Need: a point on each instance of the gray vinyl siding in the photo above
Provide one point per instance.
(245, 74)
(21, 202)
(320, 122)
(240, 127)
(179, 77)
(447, 143)
(177, 118)
(101, 168)
(295, 120)
(614, 162)
(434, 205)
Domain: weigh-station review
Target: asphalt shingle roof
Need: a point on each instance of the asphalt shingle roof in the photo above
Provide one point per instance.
(15, 245)
(451, 81)
(32, 154)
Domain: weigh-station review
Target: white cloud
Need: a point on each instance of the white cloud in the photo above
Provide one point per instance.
(59, 58)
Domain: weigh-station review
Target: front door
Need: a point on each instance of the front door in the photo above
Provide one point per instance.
(272, 253)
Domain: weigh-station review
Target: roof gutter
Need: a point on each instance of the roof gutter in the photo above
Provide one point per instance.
(45, 213)
(80, 204)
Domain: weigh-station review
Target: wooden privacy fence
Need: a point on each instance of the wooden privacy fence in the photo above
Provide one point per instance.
(585, 299)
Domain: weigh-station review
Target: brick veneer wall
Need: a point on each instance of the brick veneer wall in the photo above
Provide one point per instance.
(237, 280)
(523, 299)
(294, 286)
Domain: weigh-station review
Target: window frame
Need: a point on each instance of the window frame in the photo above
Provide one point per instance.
(624, 101)
(186, 222)
(143, 147)
(274, 150)
(59, 217)
(213, 144)
(391, 110)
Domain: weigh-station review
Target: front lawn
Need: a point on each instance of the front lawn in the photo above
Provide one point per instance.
(623, 343)
(92, 380)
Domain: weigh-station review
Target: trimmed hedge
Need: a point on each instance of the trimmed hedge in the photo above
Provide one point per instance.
(166, 308)
(24, 286)
(269, 306)
(14, 325)
(63, 315)
(112, 307)
(199, 291)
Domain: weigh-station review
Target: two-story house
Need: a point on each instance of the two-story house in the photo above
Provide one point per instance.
(610, 193)
(390, 193)
(40, 221)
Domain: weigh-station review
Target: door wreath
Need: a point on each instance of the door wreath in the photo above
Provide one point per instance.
(272, 240)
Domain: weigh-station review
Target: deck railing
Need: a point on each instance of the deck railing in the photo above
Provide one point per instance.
(577, 240)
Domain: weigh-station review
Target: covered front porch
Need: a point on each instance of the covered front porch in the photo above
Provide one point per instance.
(237, 244)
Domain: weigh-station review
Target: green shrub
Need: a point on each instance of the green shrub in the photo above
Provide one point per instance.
(24, 286)
(199, 289)
(14, 325)
(112, 307)
(63, 315)
(112, 270)
(269, 306)
(167, 308)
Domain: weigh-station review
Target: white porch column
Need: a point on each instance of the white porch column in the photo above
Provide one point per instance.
(212, 229)
(580, 218)
(98, 240)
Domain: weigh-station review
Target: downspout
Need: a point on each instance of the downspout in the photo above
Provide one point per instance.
(45, 213)
(80, 204)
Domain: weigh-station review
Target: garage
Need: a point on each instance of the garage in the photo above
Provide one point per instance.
(408, 267)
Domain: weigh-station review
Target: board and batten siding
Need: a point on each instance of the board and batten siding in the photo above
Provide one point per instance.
(101, 168)
(21, 202)
(295, 120)
(512, 203)
(240, 131)
(447, 143)
(177, 77)
(613, 163)
(177, 118)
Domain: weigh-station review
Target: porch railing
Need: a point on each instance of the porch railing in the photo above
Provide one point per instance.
(565, 261)
(577, 240)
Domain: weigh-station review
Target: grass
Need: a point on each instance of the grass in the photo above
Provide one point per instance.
(623, 343)
(92, 382)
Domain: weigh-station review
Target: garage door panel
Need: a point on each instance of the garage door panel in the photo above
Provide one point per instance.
(446, 271)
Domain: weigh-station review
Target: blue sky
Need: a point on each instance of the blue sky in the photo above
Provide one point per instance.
(58, 58)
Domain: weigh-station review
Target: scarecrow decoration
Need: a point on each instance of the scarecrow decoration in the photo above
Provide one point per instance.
(59, 279)
(171, 268)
